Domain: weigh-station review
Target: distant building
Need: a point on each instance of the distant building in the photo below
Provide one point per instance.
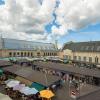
(82, 51)
(22, 48)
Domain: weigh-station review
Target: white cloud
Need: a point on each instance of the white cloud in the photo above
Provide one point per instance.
(26, 19)
(76, 14)
(59, 31)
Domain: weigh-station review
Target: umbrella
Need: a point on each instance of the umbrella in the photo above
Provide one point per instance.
(7, 81)
(46, 94)
(24, 90)
(1, 72)
(28, 91)
(18, 87)
(32, 91)
(4, 97)
(13, 83)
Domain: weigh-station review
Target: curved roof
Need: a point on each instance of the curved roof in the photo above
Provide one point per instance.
(26, 45)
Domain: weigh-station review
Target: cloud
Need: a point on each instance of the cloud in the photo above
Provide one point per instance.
(75, 15)
(26, 19)
(59, 31)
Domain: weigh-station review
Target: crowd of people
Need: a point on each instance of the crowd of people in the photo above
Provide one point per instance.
(16, 95)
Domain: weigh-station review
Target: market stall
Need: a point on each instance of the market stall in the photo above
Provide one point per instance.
(38, 86)
(12, 83)
(23, 80)
(46, 94)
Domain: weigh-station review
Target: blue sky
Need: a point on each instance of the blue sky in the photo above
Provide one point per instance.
(1, 2)
(89, 33)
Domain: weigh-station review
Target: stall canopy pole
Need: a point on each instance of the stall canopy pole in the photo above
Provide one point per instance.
(46, 80)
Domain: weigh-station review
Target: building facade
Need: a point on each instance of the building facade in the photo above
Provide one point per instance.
(22, 48)
(88, 52)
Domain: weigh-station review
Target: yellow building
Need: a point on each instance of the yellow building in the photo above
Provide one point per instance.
(87, 52)
(22, 48)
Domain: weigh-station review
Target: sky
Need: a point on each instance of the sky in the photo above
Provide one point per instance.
(50, 20)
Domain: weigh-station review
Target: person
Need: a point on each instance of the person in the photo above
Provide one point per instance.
(33, 66)
(53, 87)
(21, 64)
(38, 96)
(24, 97)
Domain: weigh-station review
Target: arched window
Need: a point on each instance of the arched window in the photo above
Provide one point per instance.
(21, 54)
(38, 53)
(17, 53)
(10, 54)
(96, 59)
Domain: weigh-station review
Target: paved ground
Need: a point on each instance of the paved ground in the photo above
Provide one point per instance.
(92, 96)
(63, 93)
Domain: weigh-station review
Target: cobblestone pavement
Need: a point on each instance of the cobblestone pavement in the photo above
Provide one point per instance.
(63, 93)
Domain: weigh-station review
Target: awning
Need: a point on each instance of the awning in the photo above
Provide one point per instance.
(46, 94)
(32, 91)
(13, 83)
(13, 58)
(19, 87)
(28, 91)
(7, 81)
(1, 72)
(29, 59)
(5, 59)
(4, 97)
(37, 86)
(23, 80)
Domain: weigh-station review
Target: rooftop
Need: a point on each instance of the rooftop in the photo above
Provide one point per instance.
(70, 69)
(31, 75)
(14, 44)
(91, 46)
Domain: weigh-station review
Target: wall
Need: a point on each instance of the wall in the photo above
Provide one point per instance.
(71, 55)
(6, 53)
